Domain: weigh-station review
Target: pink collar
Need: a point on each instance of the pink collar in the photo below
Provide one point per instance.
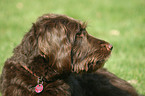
(39, 86)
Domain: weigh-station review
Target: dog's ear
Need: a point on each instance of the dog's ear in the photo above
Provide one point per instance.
(54, 44)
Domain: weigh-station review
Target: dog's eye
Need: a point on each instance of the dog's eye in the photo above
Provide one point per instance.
(80, 35)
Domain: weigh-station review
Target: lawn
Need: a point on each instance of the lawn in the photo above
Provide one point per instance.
(120, 22)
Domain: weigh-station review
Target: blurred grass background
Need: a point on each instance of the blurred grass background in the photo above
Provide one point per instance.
(120, 22)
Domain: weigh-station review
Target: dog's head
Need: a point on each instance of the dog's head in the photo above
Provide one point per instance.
(65, 44)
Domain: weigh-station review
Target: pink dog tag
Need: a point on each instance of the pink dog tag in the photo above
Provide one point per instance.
(39, 88)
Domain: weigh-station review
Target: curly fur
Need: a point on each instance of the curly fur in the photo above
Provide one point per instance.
(59, 49)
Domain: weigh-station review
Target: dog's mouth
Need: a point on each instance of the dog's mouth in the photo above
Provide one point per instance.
(90, 64)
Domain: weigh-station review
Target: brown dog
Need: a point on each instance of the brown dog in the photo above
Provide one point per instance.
(57, 57)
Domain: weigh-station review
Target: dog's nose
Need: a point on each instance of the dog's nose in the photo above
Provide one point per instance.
(109, 47)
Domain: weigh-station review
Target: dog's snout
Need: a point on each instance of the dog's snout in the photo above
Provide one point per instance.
(109, 47)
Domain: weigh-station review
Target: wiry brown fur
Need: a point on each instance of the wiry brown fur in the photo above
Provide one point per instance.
(59, 49)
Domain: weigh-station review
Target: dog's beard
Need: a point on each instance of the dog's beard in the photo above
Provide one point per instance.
(90, 63)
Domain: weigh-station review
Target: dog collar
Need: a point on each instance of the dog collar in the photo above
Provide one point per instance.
(39, 87)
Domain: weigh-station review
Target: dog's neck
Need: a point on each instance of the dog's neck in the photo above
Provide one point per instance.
(41, 78)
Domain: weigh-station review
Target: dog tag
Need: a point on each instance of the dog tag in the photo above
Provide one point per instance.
(39, 88)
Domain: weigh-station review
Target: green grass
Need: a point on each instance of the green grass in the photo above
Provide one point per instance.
(120, 22)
